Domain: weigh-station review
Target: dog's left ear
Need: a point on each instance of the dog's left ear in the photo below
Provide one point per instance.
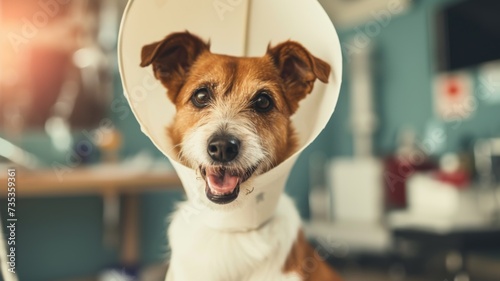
(298, 69)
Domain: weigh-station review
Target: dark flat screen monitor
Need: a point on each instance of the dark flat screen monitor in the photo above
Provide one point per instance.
(468, 34)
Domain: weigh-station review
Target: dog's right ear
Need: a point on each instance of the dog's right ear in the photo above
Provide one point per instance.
(171, 59)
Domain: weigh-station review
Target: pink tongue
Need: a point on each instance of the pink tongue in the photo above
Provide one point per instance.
(221, 184)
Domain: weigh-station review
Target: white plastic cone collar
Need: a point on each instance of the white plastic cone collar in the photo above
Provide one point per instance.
(239, 28)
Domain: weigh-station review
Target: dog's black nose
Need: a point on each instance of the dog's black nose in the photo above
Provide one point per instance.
(223, 148)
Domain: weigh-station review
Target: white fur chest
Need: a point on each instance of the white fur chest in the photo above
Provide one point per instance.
(202, 253)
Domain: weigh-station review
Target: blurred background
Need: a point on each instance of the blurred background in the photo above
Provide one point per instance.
(403, 184)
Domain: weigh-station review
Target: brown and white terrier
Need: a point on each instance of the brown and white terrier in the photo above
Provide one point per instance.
(232, 123)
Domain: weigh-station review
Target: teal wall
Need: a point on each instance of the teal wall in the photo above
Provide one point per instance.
(405, 66)
(61, 237)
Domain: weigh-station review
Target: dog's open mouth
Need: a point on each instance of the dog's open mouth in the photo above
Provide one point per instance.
(223, 184)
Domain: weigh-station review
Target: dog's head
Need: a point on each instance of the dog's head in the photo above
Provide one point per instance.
(232, 114)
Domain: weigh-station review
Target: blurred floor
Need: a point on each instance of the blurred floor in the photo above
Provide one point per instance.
(368, 275)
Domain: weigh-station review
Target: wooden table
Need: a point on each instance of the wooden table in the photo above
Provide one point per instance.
(88, 180)
(109, 181)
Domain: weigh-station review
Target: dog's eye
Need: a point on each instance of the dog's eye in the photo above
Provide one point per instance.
(263, 102)
(201, 98)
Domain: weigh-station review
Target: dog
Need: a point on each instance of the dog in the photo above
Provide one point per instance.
(232, 123)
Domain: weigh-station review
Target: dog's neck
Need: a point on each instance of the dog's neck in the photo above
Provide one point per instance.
(203, 253)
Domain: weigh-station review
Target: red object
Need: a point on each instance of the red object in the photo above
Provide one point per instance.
(460, 179)
(397, 171)
(453, 88)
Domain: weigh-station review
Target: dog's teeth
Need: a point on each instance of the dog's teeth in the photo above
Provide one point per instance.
(216, 192)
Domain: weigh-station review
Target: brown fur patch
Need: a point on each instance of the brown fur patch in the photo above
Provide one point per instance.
(308, 263)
